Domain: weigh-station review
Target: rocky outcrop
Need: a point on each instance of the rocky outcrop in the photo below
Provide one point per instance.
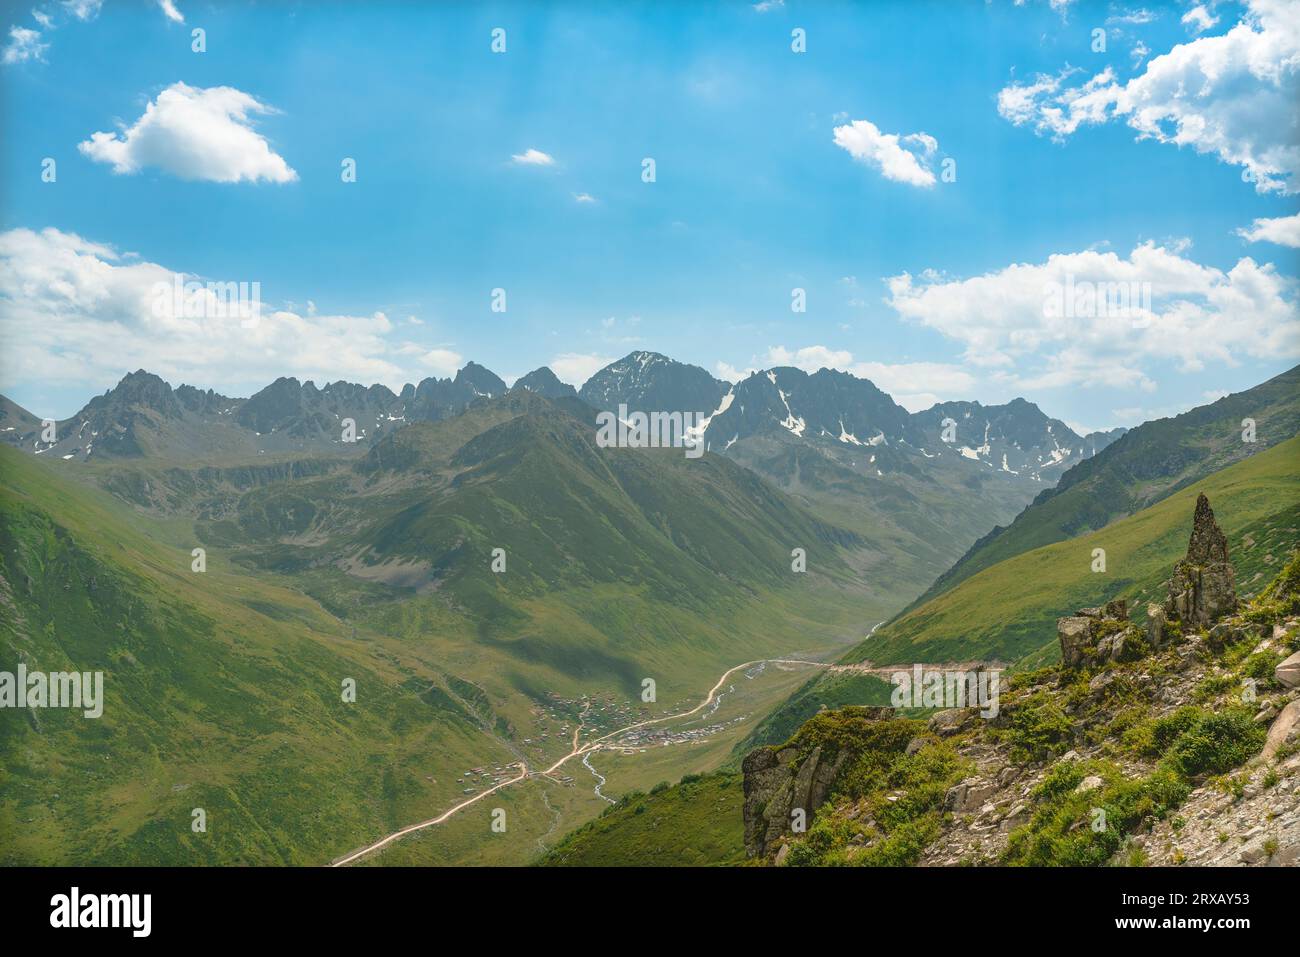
(1202, 588)
(777, 783)
(797, 776)
(1200, 592)
(1097, 635)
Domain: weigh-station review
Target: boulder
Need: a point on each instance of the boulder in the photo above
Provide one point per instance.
(1288, 672)
(1075, 635)
(1285, 729)
(1112, 647)
(1254, 851)
(949, 722)
(1097, 635)
(969, 795)
(1090, 783)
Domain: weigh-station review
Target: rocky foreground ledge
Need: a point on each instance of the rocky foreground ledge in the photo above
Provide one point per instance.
(1174, 741)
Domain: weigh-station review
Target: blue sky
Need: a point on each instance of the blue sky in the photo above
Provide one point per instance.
(753, 195)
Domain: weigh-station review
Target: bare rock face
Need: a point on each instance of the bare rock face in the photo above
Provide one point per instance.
(1288, 672)
(1203, 587)
(1156, 632)
(1096, 635)
(1284, 729)
(1074, 633)
(776, 783)
(780, 780)
(1208, 545)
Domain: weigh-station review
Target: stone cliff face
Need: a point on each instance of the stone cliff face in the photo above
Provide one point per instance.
(1173, 742)
(781, 782)
(777, 784)
(1094, 635)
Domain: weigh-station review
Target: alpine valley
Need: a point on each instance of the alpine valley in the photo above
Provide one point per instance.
(361, 626)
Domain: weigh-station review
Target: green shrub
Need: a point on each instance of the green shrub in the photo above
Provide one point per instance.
(1059, 780)
(1215, 744)
(1036, 728)
(1211, 686)
(1153, 738)
(1261, 666)
(1061, 831)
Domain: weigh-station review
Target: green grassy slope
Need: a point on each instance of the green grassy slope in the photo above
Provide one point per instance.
(1149, 463)
(693, 823)
(1009, 610)
(209, 702)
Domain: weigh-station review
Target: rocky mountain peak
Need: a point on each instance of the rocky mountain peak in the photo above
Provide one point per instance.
(483, 382)
(544, 382)
(648, 381)
(140, 388)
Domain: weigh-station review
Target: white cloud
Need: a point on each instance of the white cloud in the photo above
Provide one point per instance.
(1283, 230)
(1232, 96)
(584, 198)
(27, 44)
(765, 5)
(533, 157)
(1059, 6)
(1012, 326)
(442, 362)
(79, 312)
(1136, 17)
(576, 368)
(194, 133)
(807, 358)
(23, 45)
(904, 159)
(729, 373)
(169, 8)
(1198, 19)
(83, 9)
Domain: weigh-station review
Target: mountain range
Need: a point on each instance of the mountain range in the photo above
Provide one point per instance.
(917, 488)
(143, 415)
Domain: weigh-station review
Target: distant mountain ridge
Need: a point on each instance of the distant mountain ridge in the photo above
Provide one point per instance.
(144, 416)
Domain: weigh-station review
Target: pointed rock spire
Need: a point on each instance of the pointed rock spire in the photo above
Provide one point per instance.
(1207, 546)
(1203, 587)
